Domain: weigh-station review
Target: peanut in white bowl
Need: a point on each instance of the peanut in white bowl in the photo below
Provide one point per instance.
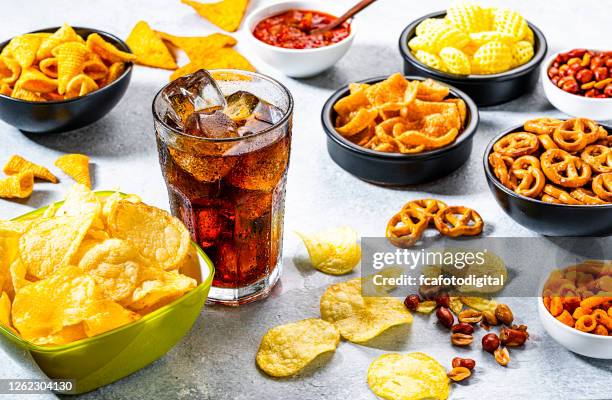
(298, 63)
(572, 104)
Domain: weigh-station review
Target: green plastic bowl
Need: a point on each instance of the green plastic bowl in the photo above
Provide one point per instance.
(106, 358)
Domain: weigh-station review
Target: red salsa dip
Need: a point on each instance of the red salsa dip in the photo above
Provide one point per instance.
(291, 30)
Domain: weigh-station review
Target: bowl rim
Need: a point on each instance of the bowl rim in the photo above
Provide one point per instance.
(250, 24)
(492, 178)
(205, 261)
(574, 331)
(546, 81)
(467, 134)
(536, 60)
(128, 69)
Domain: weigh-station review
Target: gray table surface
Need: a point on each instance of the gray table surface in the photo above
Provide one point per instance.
(216, 359)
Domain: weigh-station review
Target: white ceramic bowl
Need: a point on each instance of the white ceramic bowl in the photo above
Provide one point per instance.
(298, 63)
(571, 104)
(586, 344)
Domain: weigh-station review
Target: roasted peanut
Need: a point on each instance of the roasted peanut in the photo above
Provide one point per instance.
(512, 337)
(490, 342)
(443, 300)
(504, 314)
(412, 302)
(458, 374)
(445, 317)
(490, 318)
(502, 356)
(463, 328)
(461, 339)
(470, 316)
(464, 362)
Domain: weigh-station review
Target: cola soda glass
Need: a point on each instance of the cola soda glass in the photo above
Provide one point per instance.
(224, 151)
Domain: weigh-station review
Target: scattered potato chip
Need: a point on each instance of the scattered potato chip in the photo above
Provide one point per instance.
(17, 186)
(106, 50)
(64, 34)
(479, 303)
(426, 307)
(359, 318)
(76, 166)
(334, 251)
(157, 236)
(412, 376)
(226, 14)
(17, 164)
(149, 48)
(285, 350)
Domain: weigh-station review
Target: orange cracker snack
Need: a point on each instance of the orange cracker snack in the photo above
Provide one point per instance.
(24, 48)
(17, 164)
(107, 51)
(80, 85)
(17, 186)
(64, 34)
(76, 166)
(149, 48)
(226, 14)
(35, 81)
(71, 58)
(9, 70)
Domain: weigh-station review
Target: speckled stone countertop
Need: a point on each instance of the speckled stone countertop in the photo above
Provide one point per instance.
(216, 359)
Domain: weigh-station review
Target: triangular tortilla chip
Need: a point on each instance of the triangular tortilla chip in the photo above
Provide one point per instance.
(226, 14)
(217, 59)
(17, 164)
(76, 166)
(197, 47)
(149, 48)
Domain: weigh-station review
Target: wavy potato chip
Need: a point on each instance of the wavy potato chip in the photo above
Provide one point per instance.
(334, 251)
(149, 48)
(76, 166)
(412, 376)
(17, 164)
(157, 236)
(226, 14)
(158, 288)
(17, 186)
(115, 266)
(285, 350)
(359, 318)
(49, 244)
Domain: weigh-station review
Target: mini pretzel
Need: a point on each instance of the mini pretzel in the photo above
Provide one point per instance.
(406, 227)
(457, 221)
(575, 134)
(501, 165)
(429, 207)
(585, 196)
(547, 142)
(602, 186)
(598, 157)
(542, 126)
(517, 144)
(564, 169)
(561, 195)
(530, 182)
(549, 199)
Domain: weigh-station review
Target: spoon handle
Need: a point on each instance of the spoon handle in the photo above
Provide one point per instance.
(340, 20)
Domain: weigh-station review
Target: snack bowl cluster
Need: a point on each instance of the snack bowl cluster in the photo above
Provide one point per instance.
(298, 63)
(547, 218)
(572, 104)
(397, 169)
(64, 115)
(586, 344)
(99, 360)
(485, 90)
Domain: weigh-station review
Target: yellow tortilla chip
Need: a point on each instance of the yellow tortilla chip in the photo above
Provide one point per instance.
(226, 14)
(64, 34)
(35, 81)
(412, 376)
(10, 70)
(17, 164)
(359, 318)
(149, 48)
(23, 49)
(198, 47)
(17, 186)
(285, 350)
(225, 58)
(80, 85)
(106, 50)
(76, 166)
(71, 58)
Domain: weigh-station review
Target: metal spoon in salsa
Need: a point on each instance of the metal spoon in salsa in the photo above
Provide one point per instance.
(292, 30)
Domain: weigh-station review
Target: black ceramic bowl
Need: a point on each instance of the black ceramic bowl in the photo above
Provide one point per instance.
(485, 90)
(394, 168)
(64, 115)
(546, 218)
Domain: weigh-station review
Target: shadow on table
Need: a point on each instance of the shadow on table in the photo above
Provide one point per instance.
(126, 131)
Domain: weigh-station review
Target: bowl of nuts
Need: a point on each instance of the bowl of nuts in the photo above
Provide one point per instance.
(575, 308)
(578, 82)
